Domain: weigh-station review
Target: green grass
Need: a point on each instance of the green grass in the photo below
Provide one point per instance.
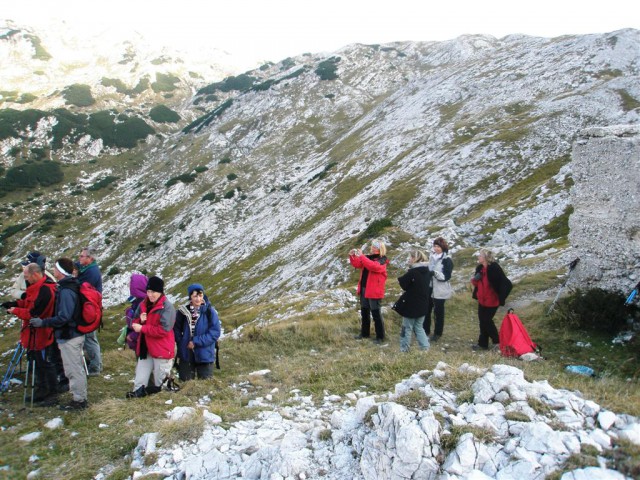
(312, 350)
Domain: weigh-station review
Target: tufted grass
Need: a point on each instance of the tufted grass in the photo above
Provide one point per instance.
(306, 348)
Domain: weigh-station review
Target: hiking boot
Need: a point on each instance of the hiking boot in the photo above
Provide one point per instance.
(379, 341)
(139, 393)
(48, 401)
(478, 348)
(74, 405)
(434, 338)
(94, 374)
(360, 337)
(151, 389)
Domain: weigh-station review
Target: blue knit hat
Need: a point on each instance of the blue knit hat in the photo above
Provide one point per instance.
(193, 287)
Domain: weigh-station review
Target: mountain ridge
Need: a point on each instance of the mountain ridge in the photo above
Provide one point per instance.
(470, 138)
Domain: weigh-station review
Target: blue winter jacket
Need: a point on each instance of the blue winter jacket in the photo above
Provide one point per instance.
(205, 335)
(66, 310)
(91, 273)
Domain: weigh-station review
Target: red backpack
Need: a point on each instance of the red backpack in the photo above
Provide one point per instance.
(90, 308)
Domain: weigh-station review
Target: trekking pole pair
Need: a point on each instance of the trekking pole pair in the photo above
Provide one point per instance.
(31, 367)
(16, 360)
(572, 266)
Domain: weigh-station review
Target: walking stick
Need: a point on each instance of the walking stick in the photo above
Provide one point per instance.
(572, 266)
(31, 360)
(16, 360)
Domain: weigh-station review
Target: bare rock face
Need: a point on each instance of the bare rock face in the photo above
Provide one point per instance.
(605, 224)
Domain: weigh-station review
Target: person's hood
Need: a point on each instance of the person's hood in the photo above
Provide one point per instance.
(419, 264)
(138, 285)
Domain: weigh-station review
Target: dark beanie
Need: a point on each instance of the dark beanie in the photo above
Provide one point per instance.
(156, 284)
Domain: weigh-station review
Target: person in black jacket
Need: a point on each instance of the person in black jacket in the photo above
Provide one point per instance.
(413, 304)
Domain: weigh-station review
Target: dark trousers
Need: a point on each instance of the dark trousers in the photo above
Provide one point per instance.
(188, 370)
(436, 305)
(367, 311)
(488, 328)
(45, 372)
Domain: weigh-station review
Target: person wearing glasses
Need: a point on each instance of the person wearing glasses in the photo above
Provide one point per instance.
(197, 330)
(88, 271)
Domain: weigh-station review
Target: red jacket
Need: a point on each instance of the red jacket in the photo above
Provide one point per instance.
(376, 274)
(161, 343)
(38, 302)
(487, 296)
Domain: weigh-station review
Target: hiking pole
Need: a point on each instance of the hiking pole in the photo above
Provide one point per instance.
(633, 294)
(16, 360)
(572, 266)
(31, 362)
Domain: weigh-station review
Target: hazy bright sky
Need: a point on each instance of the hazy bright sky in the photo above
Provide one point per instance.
(276, 29)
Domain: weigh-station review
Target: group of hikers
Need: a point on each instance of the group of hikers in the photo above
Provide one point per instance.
(426, 286)
(50, 307)
(62, 356)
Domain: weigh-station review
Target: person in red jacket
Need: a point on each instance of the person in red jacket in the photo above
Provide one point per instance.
(153, 320)
(490, 289)
(38, 302)
(373, 276)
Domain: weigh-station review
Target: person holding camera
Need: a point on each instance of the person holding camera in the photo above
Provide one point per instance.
(373, 276)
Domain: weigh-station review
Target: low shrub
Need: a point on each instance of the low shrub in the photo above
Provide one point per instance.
(593, 309)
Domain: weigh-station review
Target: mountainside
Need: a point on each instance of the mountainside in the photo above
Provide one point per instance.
(268, 178)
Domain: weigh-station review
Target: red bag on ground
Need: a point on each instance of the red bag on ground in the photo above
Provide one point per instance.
(514, 339)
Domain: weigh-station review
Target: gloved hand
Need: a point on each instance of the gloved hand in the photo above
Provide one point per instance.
(36, 322)
(439, 275)
(8, 305)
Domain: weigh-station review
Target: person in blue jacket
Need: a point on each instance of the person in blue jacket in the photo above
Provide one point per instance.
(197, 330)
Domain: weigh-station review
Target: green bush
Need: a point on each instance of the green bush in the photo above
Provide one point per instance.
(211, 197)
(326, 70)
(164, 83)
(240, 83)
(163, 114)
(374, 229)
(232, 176)
(201, 169)
(592, 309)
(78, 95)
(102, 183)
(184, 178)
(30, 176)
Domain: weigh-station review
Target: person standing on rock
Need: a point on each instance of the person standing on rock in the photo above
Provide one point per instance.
(491, 287)
(441, 266)
(413, 304)
(154, 320)
(373, 276)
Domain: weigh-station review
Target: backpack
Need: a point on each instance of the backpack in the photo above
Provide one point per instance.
(131, 338)
(90, 318)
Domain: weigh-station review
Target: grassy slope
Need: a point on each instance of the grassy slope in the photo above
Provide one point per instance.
(310, 351)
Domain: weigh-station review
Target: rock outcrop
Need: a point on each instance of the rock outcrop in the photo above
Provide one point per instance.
(605, 225)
